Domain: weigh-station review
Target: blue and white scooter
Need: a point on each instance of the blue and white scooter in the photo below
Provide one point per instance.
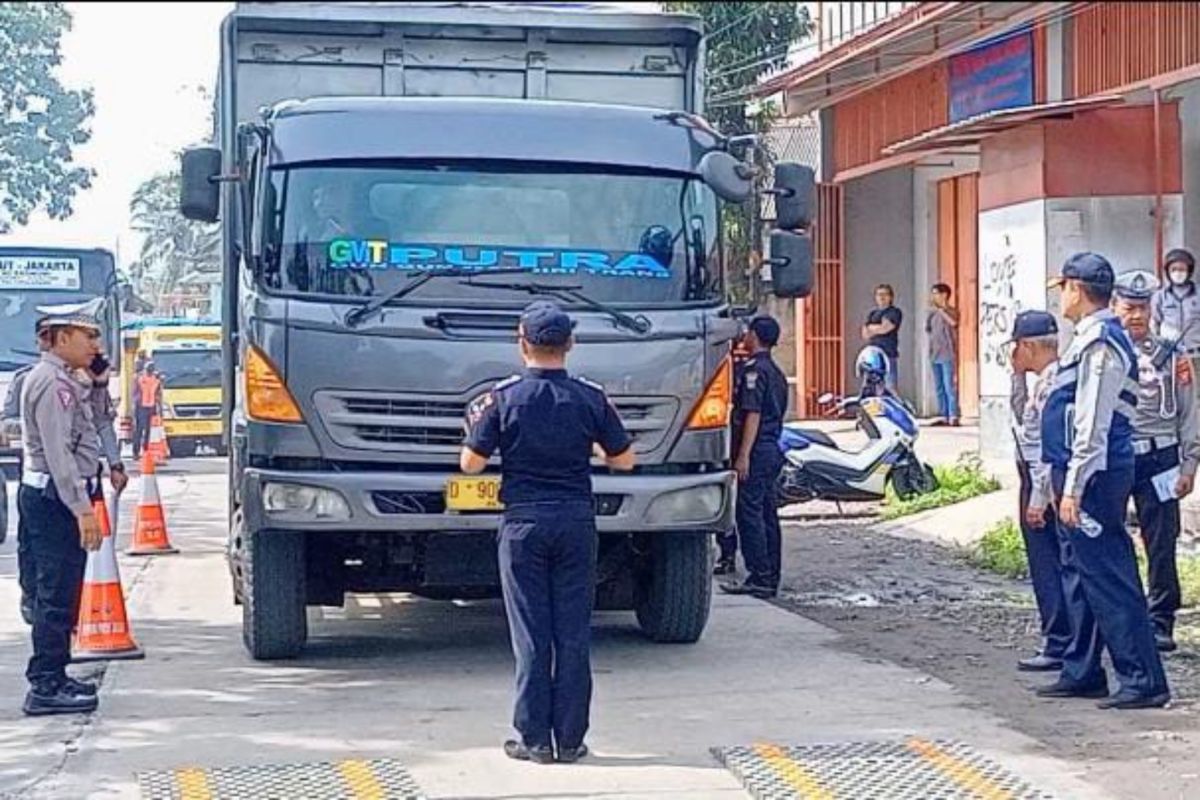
(815, 468)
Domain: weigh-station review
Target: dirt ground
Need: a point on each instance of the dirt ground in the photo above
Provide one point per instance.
(923, 606)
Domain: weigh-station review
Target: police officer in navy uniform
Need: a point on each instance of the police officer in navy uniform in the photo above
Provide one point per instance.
(1035, 350)
(727, 540)
(62, 451)
(1087, 438)
(1166, 446)
(546, 425)
(760, 403)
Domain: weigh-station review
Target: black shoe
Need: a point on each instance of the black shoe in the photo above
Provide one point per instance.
(1062, 688)
(27, 610)
(1125, 701)
(747, 588)
(1165, 642)
(569, 755)
(46, 701)
(542, 754)
(79, 688)
(725, 566)
(1039, 663)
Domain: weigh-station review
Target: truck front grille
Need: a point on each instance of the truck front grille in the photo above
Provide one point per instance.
(197, 411)
(402, 503)
(366, 421)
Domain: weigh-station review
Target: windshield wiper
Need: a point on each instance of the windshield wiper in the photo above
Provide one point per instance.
(356, 315)
(9, 365)
(637, 324)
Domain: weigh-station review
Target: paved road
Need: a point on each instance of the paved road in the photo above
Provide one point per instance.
(427, 685)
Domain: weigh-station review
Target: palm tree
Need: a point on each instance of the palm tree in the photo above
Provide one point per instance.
(173, 246)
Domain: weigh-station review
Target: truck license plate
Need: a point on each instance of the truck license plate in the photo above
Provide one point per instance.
(473, 494)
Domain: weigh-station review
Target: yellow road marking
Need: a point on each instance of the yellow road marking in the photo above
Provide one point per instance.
(959, 771)
(193, 784)
(793, 773)
(361, 780)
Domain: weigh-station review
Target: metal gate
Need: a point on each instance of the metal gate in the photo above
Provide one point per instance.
(820, 345)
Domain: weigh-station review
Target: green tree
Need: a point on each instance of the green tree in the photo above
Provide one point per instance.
(743, 42)
(41, 122)
(173, 248)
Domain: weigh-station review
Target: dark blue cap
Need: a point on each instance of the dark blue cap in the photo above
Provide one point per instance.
(766, 328)
(544, 323)
(1032, 324)
(1090, 268)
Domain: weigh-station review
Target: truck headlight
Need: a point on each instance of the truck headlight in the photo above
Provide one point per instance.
(307, 502)
(698, 504)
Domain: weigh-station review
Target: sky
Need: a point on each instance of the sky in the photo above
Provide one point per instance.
(144, 64)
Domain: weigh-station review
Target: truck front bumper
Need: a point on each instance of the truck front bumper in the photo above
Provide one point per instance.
(413, 502)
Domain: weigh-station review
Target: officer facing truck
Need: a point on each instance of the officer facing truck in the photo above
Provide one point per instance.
(62, 458)
(546, 425)
(1166, 446)
(1087, 438)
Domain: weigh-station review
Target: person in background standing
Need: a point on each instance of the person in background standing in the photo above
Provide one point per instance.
(1175, 308)
(942, 327)
(882, 329)
(148, 394)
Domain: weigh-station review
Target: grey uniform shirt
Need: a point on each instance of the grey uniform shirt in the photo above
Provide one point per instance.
(1164, 410)
(1027, 430)
(1176, 309)
(1102, 375)
(59, 434)
(104, 414)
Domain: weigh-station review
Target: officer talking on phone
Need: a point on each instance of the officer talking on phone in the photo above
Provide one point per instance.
(1166, 446)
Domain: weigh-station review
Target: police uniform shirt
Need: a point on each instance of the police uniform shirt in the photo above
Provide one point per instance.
(544, 424)
(59, 434)
(1176, 310)
(104, 414)
(761, 387)
(1165, 411)
(1027, 431)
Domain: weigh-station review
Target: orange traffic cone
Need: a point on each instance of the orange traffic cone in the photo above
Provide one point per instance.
(150, 525)
(102, 632)
(158, 440)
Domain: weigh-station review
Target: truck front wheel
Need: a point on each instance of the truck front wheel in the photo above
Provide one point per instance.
(674, 588)
(274, 622)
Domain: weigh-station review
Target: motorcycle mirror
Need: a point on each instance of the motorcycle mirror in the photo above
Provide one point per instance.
(825, 398)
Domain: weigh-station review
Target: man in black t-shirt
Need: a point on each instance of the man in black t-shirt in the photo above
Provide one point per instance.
(883, 330)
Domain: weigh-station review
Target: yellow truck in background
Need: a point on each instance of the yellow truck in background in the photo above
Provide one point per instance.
(188, 357)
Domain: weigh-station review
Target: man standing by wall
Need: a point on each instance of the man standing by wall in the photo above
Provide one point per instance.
(882, 329)
(942, 327)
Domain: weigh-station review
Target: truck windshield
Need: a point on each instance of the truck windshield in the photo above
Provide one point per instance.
(189, 369)
(361, 231)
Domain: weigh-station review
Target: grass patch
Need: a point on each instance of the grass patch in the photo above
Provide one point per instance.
(960, 481)
(1002, 550)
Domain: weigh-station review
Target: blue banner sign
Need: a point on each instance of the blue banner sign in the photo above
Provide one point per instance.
(992, 76)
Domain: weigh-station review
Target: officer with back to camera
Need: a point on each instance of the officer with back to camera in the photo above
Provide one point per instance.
(1166, 446)
(546, 425)
(61, 464)
(1087, 438)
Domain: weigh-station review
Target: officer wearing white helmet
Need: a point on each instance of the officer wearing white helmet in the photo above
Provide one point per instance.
(1166, 445)
(62, 452)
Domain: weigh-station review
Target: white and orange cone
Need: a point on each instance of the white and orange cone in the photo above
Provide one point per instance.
(150, 524)
(102, 632)
(158, 440)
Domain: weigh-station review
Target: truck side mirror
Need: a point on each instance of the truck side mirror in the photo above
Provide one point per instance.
(200, 189)
(791, 264)
(795, 196)
(728, 177)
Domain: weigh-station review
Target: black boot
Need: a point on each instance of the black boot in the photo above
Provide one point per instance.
(725, 566)
(79, 688)
(1164, 636)
(42, 701)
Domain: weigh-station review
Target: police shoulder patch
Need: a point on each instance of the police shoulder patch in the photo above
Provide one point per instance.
(66, 398)
(589, 383)
(509, 381)
(751, 379)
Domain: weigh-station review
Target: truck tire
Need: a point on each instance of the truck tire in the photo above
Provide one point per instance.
(674, 591)
(274, 619)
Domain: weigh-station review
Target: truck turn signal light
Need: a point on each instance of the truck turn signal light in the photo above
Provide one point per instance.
(713, 408)
(267, 397)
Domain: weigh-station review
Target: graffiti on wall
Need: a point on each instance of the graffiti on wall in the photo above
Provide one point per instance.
(998, 306)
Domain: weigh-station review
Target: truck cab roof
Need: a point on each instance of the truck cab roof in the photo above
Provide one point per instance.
(446, 129)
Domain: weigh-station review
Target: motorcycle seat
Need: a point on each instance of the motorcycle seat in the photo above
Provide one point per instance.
(812, 436)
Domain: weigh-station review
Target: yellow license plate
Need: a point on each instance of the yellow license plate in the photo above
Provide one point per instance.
(473, 494)
(207, 427)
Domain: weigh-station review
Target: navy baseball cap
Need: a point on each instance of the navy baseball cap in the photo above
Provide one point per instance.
(766, 328)
(1032, 324)
(544, 323)
(1090, 268)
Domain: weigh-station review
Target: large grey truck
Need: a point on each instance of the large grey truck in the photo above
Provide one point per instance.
(395, 182)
